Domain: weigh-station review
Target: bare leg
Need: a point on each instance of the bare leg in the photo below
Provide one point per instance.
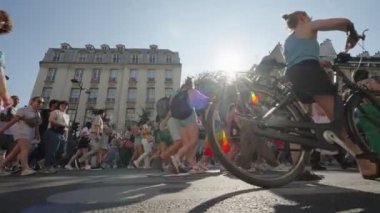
(24, 152)
(171, 150)
(77, 154)
(15, 151)
(4, 96)
(86, 161)
(189, 136)
(326, 102)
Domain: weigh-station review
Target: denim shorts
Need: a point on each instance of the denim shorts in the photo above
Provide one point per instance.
(176, 124)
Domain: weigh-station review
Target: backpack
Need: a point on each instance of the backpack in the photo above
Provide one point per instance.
(162, 107)
(180, 106)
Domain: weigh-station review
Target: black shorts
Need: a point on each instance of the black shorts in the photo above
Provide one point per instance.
(7, 142)
(84, 142)
(310, 79)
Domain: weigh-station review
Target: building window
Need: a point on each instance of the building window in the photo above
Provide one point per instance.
(74, 95)
(93, 95)
(150, 97)
(152, 58)
(151, 75)
(115, 58)
(168, 75)
(135, 59)
(82, 57)
(111, 95)
(46, 92)
(133, 75)
(78, 75)
(98, 58)
(168, 92)
(113, 75)
(132, 93)
(51, 74)
(95, 77)
(168, 59)
(57, 56)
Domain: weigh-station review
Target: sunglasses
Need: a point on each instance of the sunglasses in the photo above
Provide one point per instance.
(39, 101)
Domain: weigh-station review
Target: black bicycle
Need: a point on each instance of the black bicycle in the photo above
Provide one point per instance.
(277, 132)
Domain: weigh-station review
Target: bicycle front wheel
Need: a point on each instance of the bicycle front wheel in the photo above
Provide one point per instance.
(259, 161)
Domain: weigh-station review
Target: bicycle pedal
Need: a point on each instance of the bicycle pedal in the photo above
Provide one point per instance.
(332, 138)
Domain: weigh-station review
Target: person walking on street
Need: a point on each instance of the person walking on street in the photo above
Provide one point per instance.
(56, 135)
(27, 120)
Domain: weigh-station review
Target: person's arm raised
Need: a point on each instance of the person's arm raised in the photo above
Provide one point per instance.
(341, 24)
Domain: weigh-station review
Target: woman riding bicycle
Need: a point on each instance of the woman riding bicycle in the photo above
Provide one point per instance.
(304, 69)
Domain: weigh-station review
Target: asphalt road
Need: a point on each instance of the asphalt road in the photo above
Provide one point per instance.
(131, 190)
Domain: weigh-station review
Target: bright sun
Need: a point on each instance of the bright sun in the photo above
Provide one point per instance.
(229, 60)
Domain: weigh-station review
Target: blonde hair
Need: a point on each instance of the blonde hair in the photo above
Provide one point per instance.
(293, 18)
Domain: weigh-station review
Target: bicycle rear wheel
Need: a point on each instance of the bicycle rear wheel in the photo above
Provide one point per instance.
(260, 161)
(363, 120)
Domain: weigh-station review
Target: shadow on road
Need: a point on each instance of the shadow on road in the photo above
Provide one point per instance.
(91, 194)
(329, 199)
(307, 197)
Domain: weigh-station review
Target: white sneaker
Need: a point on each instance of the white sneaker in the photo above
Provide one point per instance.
(68, 167)
(135, 164)
(27, 172)
(4, 173)
(88, 167)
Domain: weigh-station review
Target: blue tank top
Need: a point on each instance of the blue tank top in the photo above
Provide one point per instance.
(297, 50)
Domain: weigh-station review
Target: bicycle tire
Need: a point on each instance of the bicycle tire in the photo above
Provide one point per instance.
(241, 173)
(360, 134)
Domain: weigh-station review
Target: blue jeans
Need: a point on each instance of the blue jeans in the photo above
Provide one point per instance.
(53, 141)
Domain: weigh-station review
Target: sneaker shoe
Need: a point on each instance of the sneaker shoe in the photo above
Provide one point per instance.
(4, 173)
(27, 172)
(68, 167)
(88, 167)
(135, 164)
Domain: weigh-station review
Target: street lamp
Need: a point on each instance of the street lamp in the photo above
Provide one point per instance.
(80, 84)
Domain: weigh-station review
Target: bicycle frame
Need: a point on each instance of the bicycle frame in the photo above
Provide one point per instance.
(307, 134)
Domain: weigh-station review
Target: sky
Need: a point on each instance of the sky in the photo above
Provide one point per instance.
(209, 35)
